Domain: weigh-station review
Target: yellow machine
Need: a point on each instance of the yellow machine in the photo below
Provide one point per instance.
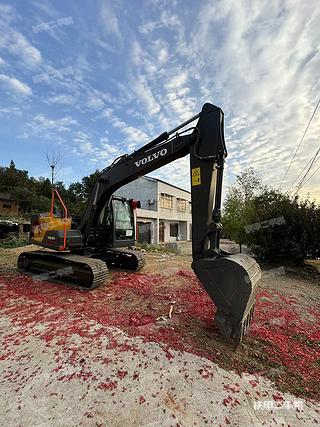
(40, 225)
(51, 230)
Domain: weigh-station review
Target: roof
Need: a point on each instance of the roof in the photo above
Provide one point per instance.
(164, 182)
(7, 196)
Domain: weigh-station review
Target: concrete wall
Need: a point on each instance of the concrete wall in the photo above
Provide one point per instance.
(143, 189)
(174, 214)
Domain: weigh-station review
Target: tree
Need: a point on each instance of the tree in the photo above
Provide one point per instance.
(34, 194)
(88, 183)
(238, 207)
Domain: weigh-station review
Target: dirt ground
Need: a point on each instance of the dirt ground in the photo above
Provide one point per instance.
(118, 344)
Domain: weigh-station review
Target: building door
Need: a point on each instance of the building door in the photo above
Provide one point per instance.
(144, 232)
(174, 230)
(161, 231)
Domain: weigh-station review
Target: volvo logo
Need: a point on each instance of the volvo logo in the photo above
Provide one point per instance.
(151, 157)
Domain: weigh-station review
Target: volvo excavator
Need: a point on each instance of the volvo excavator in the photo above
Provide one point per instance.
(81, 253)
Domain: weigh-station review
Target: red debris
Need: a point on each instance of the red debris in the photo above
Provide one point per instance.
(122, 374)
(141, 320)
(110, 385)
(290, 343)
(141, 400)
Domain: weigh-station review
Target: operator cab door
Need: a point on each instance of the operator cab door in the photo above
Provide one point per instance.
(123, 223)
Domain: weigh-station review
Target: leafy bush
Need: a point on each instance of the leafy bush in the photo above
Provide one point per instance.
(296, 239)
(248, 203)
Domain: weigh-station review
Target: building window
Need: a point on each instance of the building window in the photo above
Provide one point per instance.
(173, 230)
(181, 205)
(7, 205)
(166, 201)
(190, 207)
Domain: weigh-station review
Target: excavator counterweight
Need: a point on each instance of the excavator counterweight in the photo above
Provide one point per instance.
(107, 225)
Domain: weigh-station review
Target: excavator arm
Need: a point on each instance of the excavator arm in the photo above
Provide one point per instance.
(230, 280)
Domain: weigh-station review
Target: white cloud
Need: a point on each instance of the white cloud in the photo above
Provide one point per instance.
(62, 99)
(82, 144)
(101, 154)
(109, 19)
(108, 151)
(163, 55)
(148, 27)
(60, 124)
(15, 85)
(167, 20)
(134, 136)
(49, 128)
(145, 95)
(6, 12)
(177, 81)
(94, 102)
(160, 52)
(11, 111)
(16, 44)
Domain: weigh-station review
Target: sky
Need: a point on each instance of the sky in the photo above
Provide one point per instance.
(92, 80)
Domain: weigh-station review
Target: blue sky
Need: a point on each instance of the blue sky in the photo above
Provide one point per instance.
(95, 79)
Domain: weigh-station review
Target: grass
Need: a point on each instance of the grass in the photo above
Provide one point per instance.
(14, 243)
(156, 248)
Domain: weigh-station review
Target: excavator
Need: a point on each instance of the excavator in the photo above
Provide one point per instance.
(82, 253)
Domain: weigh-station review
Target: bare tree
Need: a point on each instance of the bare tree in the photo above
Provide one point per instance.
(55, 163)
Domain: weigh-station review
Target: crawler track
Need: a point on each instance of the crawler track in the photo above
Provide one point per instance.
(76, 270)
(125, 259)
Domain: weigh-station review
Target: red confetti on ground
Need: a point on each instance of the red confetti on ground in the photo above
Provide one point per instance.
(110, 385)
(291, 344)
(122, 374)
(141, 400)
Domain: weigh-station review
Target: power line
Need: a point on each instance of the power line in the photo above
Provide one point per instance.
(301, 140)
(309, 168)
(302, 171)
(300, 174)
(311, 176)
(301, 183)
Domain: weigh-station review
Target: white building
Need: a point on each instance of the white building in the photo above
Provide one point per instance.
(165, 213)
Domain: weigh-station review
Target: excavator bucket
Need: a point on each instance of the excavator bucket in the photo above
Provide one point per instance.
(232, 282)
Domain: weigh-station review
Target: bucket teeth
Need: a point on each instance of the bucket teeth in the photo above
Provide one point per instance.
(231, 328)
(245, 324)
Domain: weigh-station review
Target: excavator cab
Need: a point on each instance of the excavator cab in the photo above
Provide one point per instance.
(117, 223)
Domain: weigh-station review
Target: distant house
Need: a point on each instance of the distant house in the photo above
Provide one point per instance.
(8, 204)
(165, 213)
